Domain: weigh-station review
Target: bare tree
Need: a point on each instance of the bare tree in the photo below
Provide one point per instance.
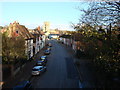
(102, 13)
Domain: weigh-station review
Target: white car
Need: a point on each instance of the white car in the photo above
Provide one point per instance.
(37, 70)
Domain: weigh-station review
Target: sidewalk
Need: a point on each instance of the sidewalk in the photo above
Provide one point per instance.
(87, 73)
(24, 74)
(90, 76)
(86, 70)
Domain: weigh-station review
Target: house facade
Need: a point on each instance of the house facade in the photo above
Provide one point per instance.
(34, 39)
(74, 41)
(38, 40)
(17, 30)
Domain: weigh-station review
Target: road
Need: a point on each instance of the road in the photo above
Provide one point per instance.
(61, 72)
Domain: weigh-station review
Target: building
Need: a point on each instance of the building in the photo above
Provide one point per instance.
(39, 39)
(54, 36)
(46, 27)
(16, 30)
(1, 73)
(34, 41)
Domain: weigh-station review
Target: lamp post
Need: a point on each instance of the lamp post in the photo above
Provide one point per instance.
(1, 73)
(109, 32)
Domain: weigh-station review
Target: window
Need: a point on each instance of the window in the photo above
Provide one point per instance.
(17, 31)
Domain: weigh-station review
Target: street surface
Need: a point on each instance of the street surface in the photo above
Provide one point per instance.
(61, 72)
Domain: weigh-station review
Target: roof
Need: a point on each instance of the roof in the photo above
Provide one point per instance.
(54, 34)
(66, 36)
(43, 56)
(39, 61)
(23, 31)
(37, 67)
(15, 29)
(46, 50)
(36, 33)
(26, 32)
(42, 33)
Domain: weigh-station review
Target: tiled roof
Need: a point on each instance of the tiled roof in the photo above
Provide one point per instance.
(23, 31)
(42, 33)
(36, 33)
(27, 32)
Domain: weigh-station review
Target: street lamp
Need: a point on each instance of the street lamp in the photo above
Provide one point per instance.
(109, 31)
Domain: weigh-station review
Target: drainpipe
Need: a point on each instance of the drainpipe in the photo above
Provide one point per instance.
(1, 80)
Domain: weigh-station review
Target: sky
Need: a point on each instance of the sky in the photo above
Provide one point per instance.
(34, 14)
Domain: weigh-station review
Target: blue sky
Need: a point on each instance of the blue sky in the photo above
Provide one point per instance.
(33, 14)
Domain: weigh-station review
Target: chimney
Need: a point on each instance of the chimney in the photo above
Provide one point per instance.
(38, 28)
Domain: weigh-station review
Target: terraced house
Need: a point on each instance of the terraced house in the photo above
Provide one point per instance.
(38, 40)
(15, 30)
(34, 39)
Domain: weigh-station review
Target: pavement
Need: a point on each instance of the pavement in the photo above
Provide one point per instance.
(86, 70)
(88, 74)
(26, 75)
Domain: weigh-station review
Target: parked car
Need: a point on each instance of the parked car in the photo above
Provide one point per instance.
(41, 63)
(49, 48)
(37, 70)
(47, 44)
(47, 52)
(43, 58)
(50, 44)
(24, 85)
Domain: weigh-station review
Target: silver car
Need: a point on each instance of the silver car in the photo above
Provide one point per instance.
(43, 57)
(47, 52)
(50, 44)
(37, 70)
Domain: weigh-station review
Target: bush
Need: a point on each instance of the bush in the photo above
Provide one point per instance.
(107, 64)
(77, 62)
(79, 54)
